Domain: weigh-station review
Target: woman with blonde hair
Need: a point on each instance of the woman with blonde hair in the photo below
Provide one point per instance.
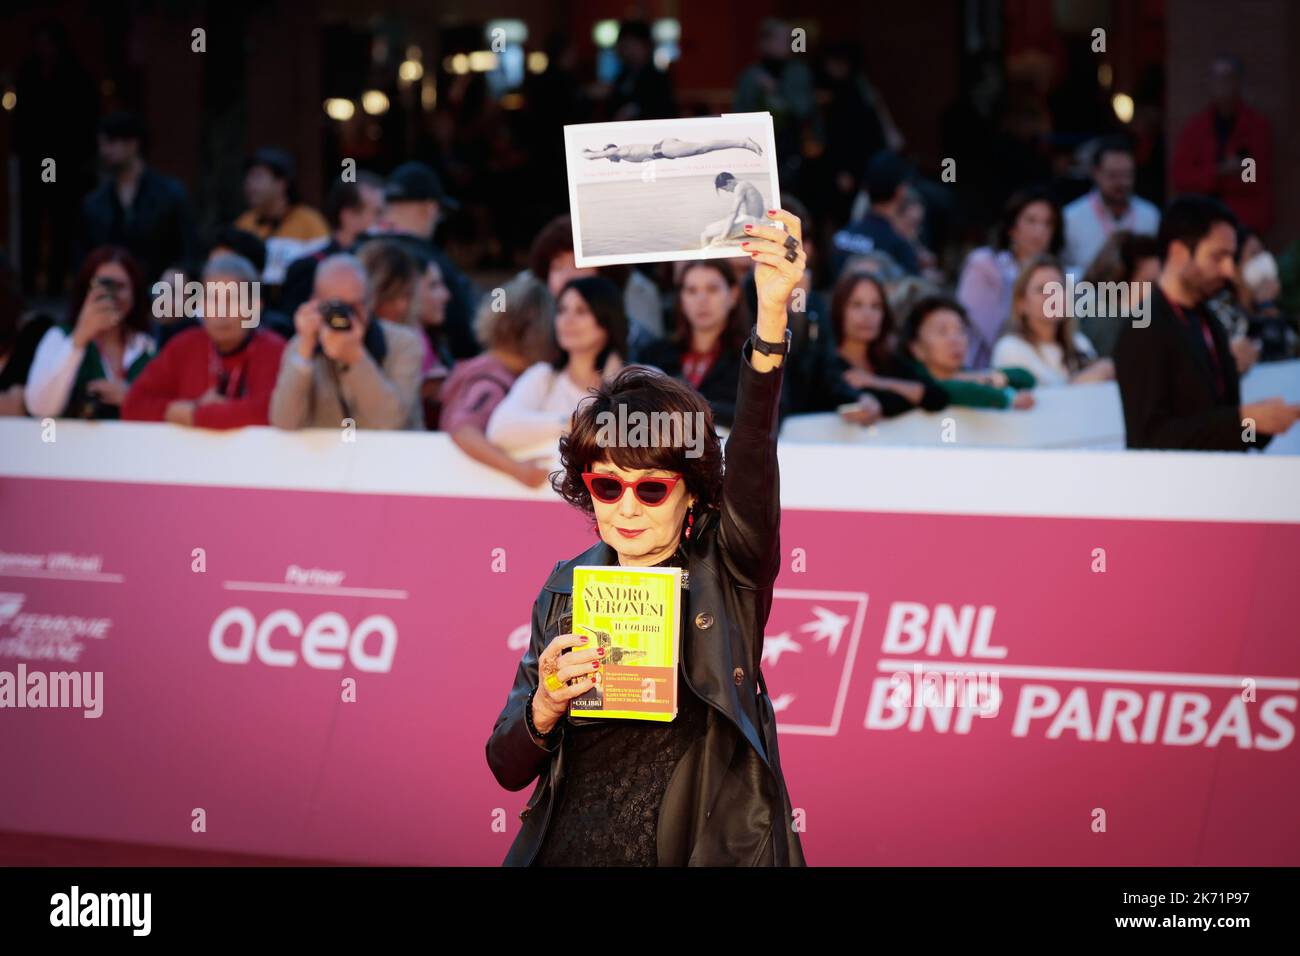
(513, 337)
(1041, 337)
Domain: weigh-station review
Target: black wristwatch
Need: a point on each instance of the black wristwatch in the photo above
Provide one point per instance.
(769, 348)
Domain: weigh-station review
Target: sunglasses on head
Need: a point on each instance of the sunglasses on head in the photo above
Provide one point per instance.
(608, 489)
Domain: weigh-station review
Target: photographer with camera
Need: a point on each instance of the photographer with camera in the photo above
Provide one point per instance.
(341, 365)
(82, 368)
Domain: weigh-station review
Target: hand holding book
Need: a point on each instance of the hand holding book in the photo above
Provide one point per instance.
(632, 615)
(562, 678)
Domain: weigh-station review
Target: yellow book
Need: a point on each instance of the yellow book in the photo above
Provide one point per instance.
(633, 613)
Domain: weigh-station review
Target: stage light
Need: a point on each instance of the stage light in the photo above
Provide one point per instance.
(410, 71)
(374, 102)
(457, 64)
(537, 61)
(340, 109)
(1122, 103)
(9, 100)
(482, 61)
(666, 30)
(605, 33)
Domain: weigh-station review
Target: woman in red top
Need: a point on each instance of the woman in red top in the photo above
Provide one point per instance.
(219, 375)
(710, 323)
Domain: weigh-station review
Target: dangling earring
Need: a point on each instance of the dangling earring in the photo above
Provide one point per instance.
(690, 521)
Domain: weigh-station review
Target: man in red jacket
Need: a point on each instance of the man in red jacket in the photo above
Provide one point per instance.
(219, 375)
(1208, 158)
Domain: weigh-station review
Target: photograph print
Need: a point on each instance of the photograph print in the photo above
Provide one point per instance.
(664, 190)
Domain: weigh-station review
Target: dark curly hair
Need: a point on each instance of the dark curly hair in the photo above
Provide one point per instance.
(605, 302)
(1016, 205)
(556, 238)
(649, 391)
(922, 310)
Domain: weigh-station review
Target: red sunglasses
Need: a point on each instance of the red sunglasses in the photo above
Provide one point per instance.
(609, 489)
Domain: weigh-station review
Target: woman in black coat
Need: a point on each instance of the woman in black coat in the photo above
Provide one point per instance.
(706, 788)
(863, 323)
(710, 324)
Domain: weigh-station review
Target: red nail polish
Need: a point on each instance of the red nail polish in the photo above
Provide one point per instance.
(744, 245)
(595, 664)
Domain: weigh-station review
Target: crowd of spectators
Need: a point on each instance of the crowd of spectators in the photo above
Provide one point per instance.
(360, 317)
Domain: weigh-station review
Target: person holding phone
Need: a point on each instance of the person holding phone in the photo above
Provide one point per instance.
(706, 788)
(82, 368)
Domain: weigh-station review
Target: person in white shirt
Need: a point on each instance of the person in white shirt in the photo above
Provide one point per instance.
(83, 369)
(1042, 337)
(551, 259)
(1030, 226)
(591, 335)
(1111, 205)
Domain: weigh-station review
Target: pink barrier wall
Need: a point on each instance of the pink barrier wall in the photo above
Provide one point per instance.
(1120, 692)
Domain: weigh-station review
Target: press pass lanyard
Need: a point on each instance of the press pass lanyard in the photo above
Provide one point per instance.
(1208, 336)
(230, 383)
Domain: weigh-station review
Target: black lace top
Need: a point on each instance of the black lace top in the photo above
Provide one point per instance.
(616, 773)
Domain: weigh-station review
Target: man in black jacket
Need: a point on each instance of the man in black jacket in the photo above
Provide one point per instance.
(415, 200)
(136, 207)
(352, 210)
(1177, 375)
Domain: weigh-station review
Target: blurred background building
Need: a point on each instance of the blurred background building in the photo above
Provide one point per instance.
(1009, 88)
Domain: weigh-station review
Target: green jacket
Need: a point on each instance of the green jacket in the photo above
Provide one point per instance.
(92, 367)
(973, 394)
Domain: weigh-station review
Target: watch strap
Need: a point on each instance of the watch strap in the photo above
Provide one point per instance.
(769, 348)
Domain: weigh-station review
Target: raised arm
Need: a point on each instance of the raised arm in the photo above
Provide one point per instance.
(750, 514)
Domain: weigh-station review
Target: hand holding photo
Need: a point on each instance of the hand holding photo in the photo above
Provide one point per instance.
(667, 190)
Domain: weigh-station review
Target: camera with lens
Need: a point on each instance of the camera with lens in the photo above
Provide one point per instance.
(106, 287)
(337, 314)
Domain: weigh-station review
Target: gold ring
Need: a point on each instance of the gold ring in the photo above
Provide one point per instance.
(553, 683)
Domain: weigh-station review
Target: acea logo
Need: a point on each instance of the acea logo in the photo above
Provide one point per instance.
(327, 640)
(281, 639)
(941, 669)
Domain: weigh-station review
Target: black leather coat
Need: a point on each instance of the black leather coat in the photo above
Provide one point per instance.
(726, 804)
